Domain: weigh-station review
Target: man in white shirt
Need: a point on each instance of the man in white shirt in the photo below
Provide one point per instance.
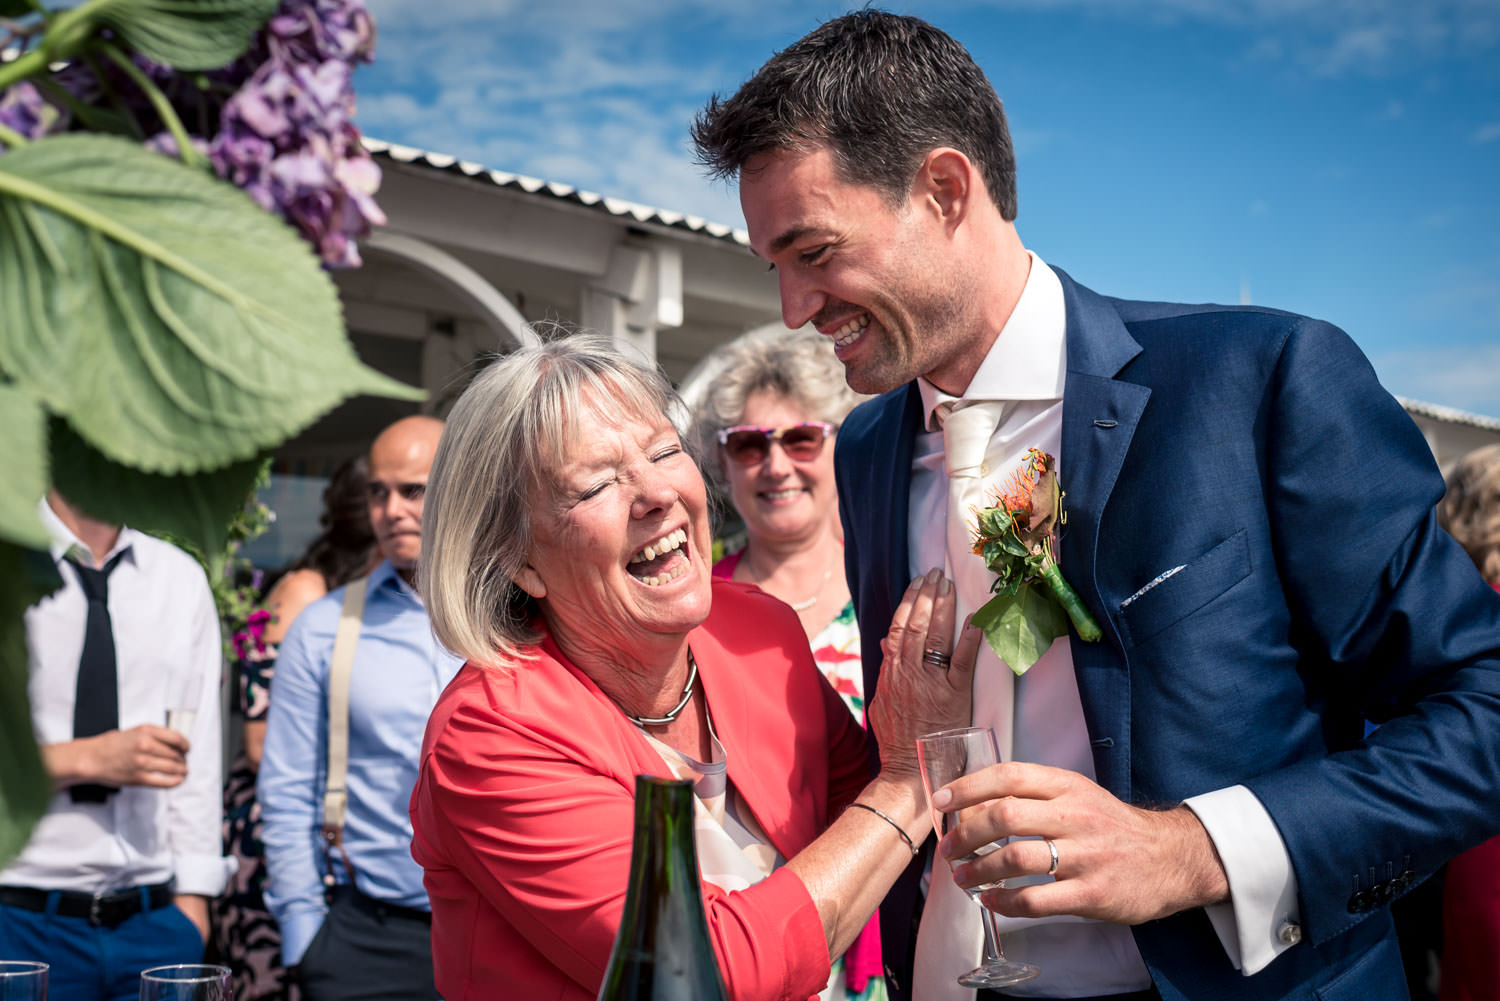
(117, 875)
(1247, 515)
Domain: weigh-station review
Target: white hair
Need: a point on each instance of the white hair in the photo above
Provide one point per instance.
(506, 440)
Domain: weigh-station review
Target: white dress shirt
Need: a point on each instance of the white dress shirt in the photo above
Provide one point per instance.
(1027, 367)
(168, 654)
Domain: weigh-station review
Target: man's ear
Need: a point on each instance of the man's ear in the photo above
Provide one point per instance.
(945, 184)
(528, 580)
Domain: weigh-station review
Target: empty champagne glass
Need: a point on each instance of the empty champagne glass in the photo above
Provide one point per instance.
(949, 755)
(23, 981)
(187, 982)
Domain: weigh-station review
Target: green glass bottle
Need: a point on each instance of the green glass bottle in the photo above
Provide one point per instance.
(662, 951)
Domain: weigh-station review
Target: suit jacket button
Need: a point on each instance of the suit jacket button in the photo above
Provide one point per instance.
(1289, 934)
(1359, 902)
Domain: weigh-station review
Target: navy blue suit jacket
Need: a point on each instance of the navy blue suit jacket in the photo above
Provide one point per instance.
(1256, 449)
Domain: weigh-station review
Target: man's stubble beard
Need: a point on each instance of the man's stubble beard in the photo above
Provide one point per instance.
(942, 331)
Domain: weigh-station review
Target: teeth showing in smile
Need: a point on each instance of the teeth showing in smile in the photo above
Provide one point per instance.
(671, 542)
(849, 332)
(781, 495)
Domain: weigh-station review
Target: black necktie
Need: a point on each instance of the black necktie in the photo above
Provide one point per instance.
(96, 709)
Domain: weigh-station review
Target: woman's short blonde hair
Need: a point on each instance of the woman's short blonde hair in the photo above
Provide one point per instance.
(797, 364)
(1470, 510)
(506, 440)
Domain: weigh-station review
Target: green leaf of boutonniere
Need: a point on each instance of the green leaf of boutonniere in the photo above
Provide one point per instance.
(1033, 604)
(1020, 627)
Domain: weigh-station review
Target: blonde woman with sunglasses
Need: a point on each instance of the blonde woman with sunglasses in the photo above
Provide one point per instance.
(766, 428)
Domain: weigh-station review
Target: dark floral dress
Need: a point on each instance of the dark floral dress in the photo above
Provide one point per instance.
(249, 940)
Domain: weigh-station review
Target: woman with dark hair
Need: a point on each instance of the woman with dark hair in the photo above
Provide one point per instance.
(248, 938)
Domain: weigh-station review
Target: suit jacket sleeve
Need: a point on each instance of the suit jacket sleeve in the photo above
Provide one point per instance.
(1397, 613)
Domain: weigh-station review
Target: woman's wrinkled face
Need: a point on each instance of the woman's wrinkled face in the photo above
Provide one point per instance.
(620, 551)
(781, 498)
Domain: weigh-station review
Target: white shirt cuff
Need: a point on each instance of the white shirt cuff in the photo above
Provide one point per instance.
(1261, 919)
(205, 875)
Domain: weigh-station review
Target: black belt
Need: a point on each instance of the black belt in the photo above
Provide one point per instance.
(380, 908)
(107, 909)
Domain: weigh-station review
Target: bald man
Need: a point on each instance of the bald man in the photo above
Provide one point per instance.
(354, 917)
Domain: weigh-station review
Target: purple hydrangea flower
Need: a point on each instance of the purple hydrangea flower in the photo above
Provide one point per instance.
(23, 110)
(277, 123)
(287, 136)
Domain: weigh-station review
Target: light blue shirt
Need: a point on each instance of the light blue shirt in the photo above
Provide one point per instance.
(399, 669)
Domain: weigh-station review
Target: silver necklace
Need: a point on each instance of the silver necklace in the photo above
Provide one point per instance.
(687, 695)
(804, 605)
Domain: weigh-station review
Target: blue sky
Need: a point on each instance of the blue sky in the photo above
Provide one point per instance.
(1338, 158)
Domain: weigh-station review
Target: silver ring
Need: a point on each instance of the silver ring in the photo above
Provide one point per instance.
(1052, 870)
(936, 658)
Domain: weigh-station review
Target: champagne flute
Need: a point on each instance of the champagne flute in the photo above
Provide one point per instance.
(21, 981)
(949, 755)
(187, 982)
(182, 720)
(182, 708)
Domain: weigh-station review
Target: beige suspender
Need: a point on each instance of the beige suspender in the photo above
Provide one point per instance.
(340, 670)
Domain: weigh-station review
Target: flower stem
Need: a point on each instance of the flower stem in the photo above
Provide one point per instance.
(1088, 630)
(12, 138)
(28, 65)
(185, 149)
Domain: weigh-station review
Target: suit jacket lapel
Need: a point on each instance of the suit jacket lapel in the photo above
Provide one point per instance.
(886, 459)
(1100, 415)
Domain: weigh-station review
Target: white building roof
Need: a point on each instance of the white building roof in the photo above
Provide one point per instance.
(551, 189)
(1450, 414)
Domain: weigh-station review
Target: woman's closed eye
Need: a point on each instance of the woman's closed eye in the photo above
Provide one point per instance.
(667, 452)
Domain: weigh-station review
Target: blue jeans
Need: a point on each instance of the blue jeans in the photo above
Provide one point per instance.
(93, 962)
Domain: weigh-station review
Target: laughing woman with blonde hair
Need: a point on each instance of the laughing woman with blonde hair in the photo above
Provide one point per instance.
(567, 556)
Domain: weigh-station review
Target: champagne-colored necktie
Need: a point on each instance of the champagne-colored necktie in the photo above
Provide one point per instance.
(950, 940)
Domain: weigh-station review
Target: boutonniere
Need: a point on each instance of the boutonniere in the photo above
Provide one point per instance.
(1032, 602)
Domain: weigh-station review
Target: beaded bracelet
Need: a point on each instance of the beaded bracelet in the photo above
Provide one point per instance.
(899, 829)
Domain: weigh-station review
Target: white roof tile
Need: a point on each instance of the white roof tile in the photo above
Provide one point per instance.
(536, 186)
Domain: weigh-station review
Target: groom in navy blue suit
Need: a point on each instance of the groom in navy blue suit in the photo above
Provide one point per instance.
(1249, 517)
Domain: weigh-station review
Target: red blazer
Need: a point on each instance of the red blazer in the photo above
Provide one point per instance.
(523, 811)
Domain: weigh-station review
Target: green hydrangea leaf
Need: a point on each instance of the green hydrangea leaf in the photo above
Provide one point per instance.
(187, 34)
(29, 576)
(172, 322)
(1020, 627)
(23, 456)
(193, 510)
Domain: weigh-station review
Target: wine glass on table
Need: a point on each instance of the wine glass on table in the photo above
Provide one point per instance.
(186, 982)
(944, 757)
(23, 981)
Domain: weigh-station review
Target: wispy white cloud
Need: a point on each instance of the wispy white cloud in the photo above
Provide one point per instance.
(576, 91)
(599, 94)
